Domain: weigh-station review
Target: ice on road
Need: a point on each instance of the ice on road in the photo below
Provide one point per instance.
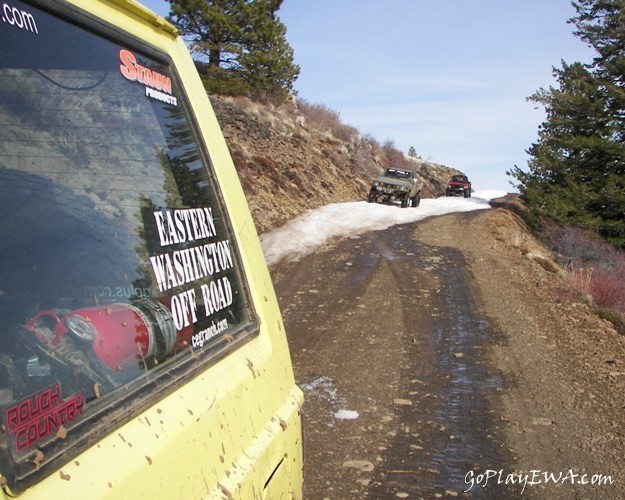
(302, 235)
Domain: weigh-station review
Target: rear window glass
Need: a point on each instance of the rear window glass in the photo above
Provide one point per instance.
(119, 269)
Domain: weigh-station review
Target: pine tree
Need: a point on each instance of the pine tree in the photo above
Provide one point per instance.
(212, 28)
(601, 24)
(240, 46)
(266, 63)
(576, 171)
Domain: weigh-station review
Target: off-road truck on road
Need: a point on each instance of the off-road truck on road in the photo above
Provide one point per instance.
(396, 185)
(458, 185)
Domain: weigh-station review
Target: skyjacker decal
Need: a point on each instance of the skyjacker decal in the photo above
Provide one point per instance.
(157, 85)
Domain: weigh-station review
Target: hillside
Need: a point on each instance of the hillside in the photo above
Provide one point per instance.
(298, 157)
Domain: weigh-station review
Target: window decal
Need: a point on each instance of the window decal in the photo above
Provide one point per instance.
(35, 418)
(19, 18)
(157, 86)
(189, 264)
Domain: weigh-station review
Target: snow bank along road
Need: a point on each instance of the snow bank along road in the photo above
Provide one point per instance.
(303, 235)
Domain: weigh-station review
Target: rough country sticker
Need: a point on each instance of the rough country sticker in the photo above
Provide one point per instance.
(37, 417)
(157, 85)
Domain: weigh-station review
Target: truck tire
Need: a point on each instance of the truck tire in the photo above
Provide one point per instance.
(405, 200)
(416, 200)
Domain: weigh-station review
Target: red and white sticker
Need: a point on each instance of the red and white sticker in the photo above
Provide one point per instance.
(157, 85)
(35, 418)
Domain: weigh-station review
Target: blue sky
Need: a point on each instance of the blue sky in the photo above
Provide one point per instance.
(449, 77)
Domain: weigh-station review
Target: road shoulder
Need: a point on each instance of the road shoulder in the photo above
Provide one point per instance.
(564, 367)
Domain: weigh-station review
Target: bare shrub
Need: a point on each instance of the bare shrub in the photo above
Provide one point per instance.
(244, 103)
(364, 160)
(337, 159)
(324, 119)
(608, 290)
(344, 132)
(578, 247)
(319, 116)
(602, 288)
(577, 284)
(596, 269)
(370, 157)
(392, 156)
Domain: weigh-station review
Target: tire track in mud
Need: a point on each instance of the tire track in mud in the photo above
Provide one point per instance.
(450, 424)
(390, 329)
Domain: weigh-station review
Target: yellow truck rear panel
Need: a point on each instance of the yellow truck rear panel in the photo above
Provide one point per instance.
(225, 421)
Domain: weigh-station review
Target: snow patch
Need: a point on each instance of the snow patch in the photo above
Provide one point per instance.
(304, 234)
(346, 415)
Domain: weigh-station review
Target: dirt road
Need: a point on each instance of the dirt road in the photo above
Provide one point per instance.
(427, 375)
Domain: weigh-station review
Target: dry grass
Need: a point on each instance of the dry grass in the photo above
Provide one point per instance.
(607, 288)
(595, 270)
(324, 119)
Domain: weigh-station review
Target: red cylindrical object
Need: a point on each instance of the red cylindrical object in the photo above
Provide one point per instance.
(128, 333)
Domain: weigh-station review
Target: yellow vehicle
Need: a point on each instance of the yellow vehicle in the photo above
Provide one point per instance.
(143, 352)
